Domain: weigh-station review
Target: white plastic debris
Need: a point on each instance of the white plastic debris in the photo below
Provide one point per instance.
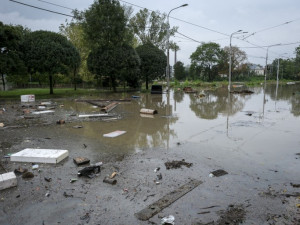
(43, 112)
(168, 220)
(114, 134)
(34, 167)
(211, 175)
(156, 169)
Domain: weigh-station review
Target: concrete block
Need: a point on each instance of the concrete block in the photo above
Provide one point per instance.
(8, 180)
(40, 155)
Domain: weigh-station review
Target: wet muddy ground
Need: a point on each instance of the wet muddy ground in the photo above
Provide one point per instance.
(253, 137)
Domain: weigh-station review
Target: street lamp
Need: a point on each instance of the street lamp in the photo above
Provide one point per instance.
(237, 32)
(266, 67)
(168, 37)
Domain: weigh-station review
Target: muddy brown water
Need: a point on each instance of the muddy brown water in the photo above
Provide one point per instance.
(254, 137)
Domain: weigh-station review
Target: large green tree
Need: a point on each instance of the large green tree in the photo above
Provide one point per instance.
(206, 59)
(238, 58)
(50, 53)
(153, 62)
(151, 27)
(11, 62)
(179, 71)
(120, 63)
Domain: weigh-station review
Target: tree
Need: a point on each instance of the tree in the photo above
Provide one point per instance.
(179, 71)
(50, 53)
(11, 62)
(151, 27)
(174, 47)
(74, 33)
(116, 63)
(207, 56)
(103, 23)
(238, 58)
(153, 62)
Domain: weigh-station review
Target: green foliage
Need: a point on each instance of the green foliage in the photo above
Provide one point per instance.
(11, 63)
(117, 63)
(104, 24)
(151, 27)
(50, 53)
(153, 62)
(206, 59)
(179, 71)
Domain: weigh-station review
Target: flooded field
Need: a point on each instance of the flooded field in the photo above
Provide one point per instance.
(254, 137)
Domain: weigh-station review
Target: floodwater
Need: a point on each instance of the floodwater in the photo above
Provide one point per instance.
(234, 119)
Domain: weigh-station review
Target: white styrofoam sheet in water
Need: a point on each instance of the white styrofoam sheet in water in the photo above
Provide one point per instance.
(40, 155)
(114, 134)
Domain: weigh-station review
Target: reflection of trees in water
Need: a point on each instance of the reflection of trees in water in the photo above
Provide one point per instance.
(289, 93)
(178, 96)
(153, 131)
(216, 102)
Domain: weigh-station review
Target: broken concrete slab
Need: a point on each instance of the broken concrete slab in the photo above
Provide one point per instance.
(40, 155)
(167, 200)
(8, 180)
(114, 134)
(81, 160)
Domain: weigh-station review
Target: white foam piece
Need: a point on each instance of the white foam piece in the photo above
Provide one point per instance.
(114, 134)
(93, 115)
(40, 155)
(8, 180)
(42, 112)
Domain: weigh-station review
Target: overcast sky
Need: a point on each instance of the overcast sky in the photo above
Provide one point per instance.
(206, 20)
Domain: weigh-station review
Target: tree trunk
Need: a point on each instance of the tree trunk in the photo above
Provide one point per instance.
(74, 78)
(51, 83)
(3, 82)
(146, 82)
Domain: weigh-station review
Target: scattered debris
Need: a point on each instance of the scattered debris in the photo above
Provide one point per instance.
(78, 126)
(114, 134)
(60, 122)
(242, 92)
(35, 167)
(1, 124)
(39, 155)
(177, 164)
(113, 175)
(248, 114)
(159, 176)
(295, 185)
(289, 83)
(110, 107)
(81, 160)
(45, 103)
(72, 180)
(110, 181)
(41, 107)
(43, 112)
(20, 171)
(86, 217)
(8, 180)
(68, 195)
(204, 212)
(167, 200)
(90, 171)
(47, 194)
(134, 96)
(189, 90)
(218, 173)
(168, 220)
(157, 169)
(94, 115)
(48, 179)
(27, 98)
(28, 175)
(148, 111)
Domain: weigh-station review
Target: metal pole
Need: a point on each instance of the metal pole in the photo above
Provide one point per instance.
(168, 55)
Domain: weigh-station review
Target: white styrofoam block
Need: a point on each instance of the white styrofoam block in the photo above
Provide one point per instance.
(40, 155)
(8, 180)
(43, 112)
(114, 134)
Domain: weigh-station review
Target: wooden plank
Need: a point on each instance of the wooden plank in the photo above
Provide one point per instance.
(167, 200)
(40, 155)
(110, 107)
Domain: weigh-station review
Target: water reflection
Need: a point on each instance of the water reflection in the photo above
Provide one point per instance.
(184, 116)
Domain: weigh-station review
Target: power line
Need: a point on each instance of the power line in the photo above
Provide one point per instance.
(269, 28)
(50, 3)
(32, 6)
(278, 45)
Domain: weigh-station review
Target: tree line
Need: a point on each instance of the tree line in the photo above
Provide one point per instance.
(106, 45)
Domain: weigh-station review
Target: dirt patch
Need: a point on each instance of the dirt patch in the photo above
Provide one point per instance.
(177, 164)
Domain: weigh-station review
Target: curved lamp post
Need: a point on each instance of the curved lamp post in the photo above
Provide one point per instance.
(230, 52)
(168, 37)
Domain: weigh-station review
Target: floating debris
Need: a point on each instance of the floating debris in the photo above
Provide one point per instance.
(177, 164)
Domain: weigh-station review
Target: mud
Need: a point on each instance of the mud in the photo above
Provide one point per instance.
(258, 152)
(175, 164)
